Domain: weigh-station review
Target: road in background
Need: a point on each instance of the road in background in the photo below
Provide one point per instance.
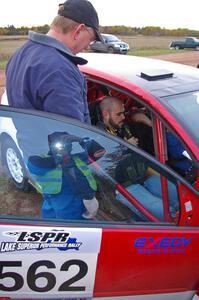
(190, 58)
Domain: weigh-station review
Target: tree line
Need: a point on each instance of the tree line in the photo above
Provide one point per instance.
(121, 30)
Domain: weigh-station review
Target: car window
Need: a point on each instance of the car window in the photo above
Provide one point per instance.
(178, 157)
(46, 163)
(186, 107)
(138, 118)
(112, 38)
(142, 124)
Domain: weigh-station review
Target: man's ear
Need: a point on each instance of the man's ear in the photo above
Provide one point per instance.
(77, 30)
(105, 114)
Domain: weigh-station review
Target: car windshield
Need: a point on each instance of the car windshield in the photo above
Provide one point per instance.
(111, 38)
(186, 109)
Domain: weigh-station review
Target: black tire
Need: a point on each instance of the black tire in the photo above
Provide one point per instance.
(110, 50)
(14, 164)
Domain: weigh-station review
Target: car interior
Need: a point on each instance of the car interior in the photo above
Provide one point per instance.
(96, 92)
(144, 133)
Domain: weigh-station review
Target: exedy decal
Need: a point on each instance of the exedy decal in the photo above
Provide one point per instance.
(162, 244)
(38, 240)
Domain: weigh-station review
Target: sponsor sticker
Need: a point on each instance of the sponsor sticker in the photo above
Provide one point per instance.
(62, 264)
(162, 244)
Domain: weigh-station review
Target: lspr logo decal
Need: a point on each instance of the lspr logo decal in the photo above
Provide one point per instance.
(162, 244)
(29, 240)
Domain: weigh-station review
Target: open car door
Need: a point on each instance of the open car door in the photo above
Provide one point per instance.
(142, 244)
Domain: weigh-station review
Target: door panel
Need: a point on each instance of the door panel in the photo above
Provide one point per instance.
(134, 247)
(147, 260)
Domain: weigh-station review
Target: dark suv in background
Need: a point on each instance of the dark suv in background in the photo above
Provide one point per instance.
(111, 45)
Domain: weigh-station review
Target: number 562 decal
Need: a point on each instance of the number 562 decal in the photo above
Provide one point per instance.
(57, 275)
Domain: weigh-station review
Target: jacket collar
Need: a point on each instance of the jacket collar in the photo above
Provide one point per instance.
(52, 42)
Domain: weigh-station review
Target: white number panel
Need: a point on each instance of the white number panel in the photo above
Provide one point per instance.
(57, 262)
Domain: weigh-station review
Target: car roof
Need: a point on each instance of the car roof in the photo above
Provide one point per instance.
(160, 78)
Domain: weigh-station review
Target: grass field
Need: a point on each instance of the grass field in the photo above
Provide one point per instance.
(149, 45)
(8, 46)
(139, 45)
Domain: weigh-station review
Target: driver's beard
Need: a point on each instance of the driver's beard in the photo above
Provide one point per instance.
(113, 124)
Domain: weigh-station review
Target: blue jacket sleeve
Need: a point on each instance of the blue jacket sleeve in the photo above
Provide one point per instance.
(175, 147)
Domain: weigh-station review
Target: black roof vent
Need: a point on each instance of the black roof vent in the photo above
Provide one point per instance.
(153, 75)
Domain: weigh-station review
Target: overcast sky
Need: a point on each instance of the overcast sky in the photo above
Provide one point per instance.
(134, 13)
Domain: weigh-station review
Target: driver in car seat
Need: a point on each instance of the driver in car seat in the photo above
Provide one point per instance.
(112, 115)
(149, 191)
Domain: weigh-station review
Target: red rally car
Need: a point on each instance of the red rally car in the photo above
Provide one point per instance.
(143, 243)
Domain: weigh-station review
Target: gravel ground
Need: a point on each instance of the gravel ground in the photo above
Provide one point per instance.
(190, 58)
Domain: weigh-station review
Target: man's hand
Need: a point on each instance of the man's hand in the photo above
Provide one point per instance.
(140, 117)
(132, 141)
(92, 206)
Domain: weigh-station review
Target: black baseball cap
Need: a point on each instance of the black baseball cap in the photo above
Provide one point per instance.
(82, 11)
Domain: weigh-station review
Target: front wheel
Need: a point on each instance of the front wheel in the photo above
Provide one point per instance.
(14, 165)
(110, 50)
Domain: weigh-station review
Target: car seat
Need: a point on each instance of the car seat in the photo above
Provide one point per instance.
(95, 114)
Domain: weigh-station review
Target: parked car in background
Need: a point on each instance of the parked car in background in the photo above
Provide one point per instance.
(139, 246)
(112, 44)
(189, 43)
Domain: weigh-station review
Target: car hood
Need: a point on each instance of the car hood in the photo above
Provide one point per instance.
(118, 43)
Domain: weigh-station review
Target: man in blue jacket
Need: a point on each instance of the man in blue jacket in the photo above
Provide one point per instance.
(178, 157)
(43, 73)
(64, 179)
